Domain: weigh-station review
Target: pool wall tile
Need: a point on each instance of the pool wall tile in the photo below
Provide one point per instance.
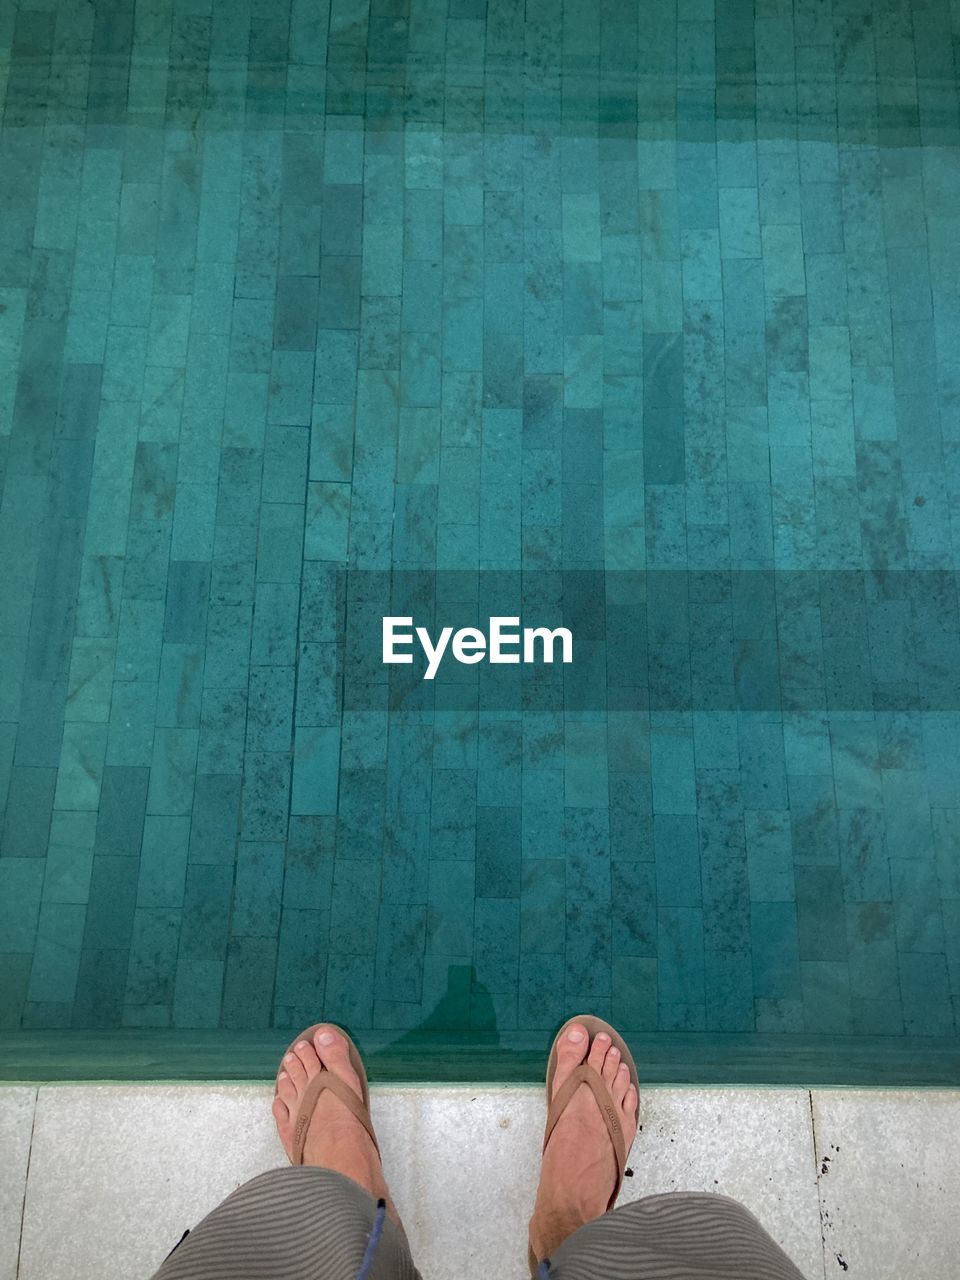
(297, 333)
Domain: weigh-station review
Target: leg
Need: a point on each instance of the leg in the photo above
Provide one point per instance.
(676, 1236)
(579, 1169)
(335, 1139)
(296, 1224)
(317, 1219)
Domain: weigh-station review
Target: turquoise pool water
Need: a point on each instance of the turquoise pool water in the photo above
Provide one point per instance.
(638, 318)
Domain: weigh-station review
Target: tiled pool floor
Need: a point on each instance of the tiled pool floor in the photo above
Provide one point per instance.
(657, 303)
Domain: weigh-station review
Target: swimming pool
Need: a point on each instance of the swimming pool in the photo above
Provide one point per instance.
(640, 319)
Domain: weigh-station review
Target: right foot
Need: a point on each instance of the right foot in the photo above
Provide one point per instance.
(335, 1138)
(579, 1169)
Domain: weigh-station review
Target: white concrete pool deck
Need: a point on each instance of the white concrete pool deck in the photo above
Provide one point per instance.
(97, 1182)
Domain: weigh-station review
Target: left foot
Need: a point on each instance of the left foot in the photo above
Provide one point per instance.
(579, 1168)
(335, 1138)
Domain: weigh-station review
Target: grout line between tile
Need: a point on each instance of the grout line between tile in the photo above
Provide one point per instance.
(26, 1177)
(816, 1174)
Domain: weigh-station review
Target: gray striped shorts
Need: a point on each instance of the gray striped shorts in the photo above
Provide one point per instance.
(302, 1223)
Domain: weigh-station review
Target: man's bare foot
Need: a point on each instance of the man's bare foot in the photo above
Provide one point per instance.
(579, 1168)
(335, 1139)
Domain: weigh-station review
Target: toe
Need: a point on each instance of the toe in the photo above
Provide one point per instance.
(307, 1059)
(333, 1052)
(621, 1082)
(598, 1051)
(571, 1050)
(610, 1064)
(631, 1102)
(286, 1090)
(280, 1112)
(329, 1041)
(295, 1070)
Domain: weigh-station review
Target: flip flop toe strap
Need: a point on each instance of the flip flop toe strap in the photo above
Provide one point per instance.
(584, 1074)
(326, 1080)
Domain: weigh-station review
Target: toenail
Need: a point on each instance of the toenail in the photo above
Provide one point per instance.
(325, 1037)
(603, 1036)
(575, 1035)
(302, 1044)
(288, 1057)
(614, 1051)
(282, 1075)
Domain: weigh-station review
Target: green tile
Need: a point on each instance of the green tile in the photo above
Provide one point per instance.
(69, 863)
(163, 861)
(197, 994)
(30, 800)
(56, 954)
(257, 890)
(153, 960)
(22, 881)
(81, 766)
(173, 772)
(293, 362)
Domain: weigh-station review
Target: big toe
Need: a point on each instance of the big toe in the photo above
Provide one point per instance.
(571, 1050)
(333, 1051)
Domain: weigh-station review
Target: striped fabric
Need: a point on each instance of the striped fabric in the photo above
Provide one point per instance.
(295, 1223)
(683, 1235)
(304, 1223)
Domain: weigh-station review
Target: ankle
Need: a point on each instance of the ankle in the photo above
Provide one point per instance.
(565, 1202)
(352, 1164)
(550, 1227)
(364, 1173)
(338, 1141)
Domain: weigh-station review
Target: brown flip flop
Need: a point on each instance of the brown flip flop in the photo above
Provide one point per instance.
(325, 1079)
(584, 1074)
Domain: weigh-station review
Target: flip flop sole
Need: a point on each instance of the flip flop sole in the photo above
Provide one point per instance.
(593, 1026)
(357, 1063)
